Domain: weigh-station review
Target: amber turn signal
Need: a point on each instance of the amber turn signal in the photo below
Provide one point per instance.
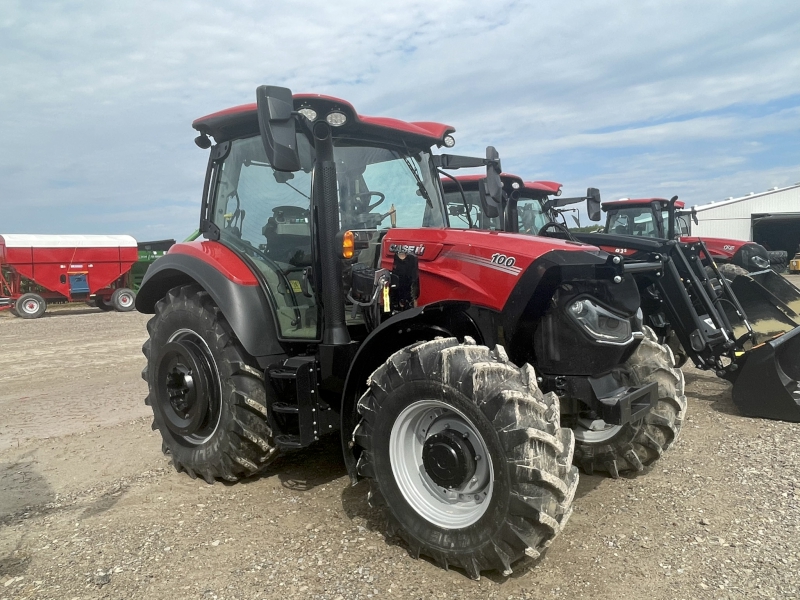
(348, 244)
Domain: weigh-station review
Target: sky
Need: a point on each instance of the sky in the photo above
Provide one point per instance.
(639, 99)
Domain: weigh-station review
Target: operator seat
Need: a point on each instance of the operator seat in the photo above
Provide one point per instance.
(620, 229)
(288, 235)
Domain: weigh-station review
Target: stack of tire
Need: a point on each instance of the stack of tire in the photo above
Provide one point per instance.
(778, 260)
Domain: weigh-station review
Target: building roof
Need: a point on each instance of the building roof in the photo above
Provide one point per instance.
(751, 196)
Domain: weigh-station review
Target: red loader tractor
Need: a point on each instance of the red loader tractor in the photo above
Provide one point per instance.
(745, 326)
(331, 294)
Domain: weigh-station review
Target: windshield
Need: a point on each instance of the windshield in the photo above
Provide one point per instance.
(530, 216)
(381, 187)
(639, 221)
(457, 211)
(636, 221)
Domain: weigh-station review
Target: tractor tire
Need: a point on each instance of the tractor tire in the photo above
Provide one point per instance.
(102, 304)
(616, 449)
(123, 300)
(778, 260)
(207, 394)
(30, 306)
(465, 455)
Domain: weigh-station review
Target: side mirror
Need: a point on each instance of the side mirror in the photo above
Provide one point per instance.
(593, 203)
(491, 209)
(276, 124)
(494, 185)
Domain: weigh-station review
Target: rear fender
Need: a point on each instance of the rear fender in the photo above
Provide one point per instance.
(245, 307)
(442, 319)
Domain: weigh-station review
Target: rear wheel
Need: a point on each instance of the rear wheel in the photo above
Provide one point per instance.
(615, 449)
(123, 300)
(103, 304)
(465, 455)
(30, 306)
(207, 395)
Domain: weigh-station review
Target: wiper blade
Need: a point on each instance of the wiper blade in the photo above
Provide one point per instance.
(420, 185)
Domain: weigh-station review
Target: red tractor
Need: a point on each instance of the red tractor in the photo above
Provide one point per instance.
(650, 217)
(330, 293)
(745, 326)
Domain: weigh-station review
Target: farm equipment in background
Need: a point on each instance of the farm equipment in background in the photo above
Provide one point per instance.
(39, 269)
(794, 264)
(148, 252)
(650, 217)
(330, 294)
(744, 326)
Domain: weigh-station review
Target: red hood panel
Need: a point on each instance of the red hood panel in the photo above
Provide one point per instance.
(718, 247)
(478, 266)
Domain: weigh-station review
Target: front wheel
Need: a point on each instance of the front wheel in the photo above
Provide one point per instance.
(30, 306)
(615, 449)
(208, 399)
(465, 455)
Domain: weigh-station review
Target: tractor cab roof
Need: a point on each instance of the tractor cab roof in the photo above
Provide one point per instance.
(542, 188)
(470, 182)
(633, 202)
(510, 183)
(242, 121)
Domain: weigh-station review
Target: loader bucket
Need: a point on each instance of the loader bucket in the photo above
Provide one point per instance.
(767, 304)
(767, 382)
(781, 290)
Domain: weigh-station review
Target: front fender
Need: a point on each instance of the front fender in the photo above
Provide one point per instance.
(244, 305)
(443, 319)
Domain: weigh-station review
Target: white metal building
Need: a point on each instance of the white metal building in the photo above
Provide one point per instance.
(770, 218)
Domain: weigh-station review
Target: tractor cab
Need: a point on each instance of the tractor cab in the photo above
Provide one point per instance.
(373, 174)
(462, 197)
(645, 217)
(529, 207)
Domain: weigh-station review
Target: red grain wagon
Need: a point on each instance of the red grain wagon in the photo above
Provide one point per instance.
(37, 269)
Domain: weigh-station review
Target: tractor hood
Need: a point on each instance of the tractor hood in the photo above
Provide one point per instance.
(481, 267)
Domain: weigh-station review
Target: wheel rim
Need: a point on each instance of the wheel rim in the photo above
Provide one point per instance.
(595, 431)
(125, 300)
(424, 448)
(30, 306)
(188, 387)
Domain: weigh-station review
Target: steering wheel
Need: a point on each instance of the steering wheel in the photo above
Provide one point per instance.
(381, 198)
(558, 228)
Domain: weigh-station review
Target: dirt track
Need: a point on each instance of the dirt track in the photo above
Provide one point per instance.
(89, 507)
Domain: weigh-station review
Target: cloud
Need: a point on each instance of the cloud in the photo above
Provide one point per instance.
(98, 100)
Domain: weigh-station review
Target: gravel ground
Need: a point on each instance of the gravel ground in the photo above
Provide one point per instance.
(89, 507)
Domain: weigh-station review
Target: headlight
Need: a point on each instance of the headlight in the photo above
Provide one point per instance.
(449, 141)
(308, 113)
(336, 118)
(601, 325)
(760, 262)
